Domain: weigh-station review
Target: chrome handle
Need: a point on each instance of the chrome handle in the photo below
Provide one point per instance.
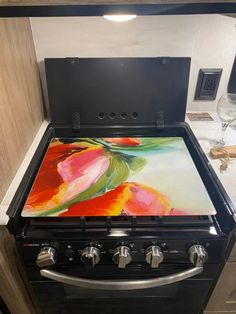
(120, 284)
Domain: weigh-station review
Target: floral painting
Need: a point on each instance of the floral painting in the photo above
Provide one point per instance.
(148, 176)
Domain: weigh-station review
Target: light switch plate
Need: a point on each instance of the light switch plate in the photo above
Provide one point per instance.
(207, 84)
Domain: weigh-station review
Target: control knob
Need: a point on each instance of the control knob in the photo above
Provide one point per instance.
(154, 256)
(197, 255)
(46, 257)
(90, 256)
(122, 256)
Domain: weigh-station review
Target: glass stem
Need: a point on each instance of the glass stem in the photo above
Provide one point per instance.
(223, 129)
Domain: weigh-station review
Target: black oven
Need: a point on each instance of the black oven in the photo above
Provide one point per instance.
(127, 263)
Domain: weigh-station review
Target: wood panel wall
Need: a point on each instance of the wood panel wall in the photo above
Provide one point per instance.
(21, 109)
(58, 2)
(223, 298)
(15, 289)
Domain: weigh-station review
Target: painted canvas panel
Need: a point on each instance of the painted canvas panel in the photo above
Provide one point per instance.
(148, 176)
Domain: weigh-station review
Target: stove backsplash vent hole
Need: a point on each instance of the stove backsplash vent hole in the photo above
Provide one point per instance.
(113, 115)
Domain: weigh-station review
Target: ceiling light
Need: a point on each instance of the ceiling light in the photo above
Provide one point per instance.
(120, 17)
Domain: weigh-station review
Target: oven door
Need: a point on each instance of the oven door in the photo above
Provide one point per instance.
(183, 296)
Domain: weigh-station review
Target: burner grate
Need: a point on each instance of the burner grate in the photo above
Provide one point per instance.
(133, 222)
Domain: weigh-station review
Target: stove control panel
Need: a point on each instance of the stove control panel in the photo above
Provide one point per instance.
(154, 256)
(122, 256)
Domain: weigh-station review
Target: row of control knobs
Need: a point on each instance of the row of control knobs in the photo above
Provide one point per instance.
(90, 256)
(122, 256)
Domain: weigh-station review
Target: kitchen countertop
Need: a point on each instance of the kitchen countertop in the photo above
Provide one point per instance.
(19, 175)
(205, 131)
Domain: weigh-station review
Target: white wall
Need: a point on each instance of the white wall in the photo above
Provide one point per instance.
(209, 39)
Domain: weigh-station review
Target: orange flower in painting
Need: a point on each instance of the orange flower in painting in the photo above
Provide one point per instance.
(67, 171)
(129, 198)
(108, 204)
(146, 201)
(48, 178)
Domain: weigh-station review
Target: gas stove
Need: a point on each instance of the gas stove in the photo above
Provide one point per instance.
(119, 195)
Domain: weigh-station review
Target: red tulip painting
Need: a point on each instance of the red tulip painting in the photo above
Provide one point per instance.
(147, 176)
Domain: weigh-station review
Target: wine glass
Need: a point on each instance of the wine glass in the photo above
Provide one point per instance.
(226, 110)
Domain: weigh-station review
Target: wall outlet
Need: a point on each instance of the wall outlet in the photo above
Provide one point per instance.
(207, 84)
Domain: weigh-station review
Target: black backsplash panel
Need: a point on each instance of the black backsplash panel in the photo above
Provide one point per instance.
(117, 91)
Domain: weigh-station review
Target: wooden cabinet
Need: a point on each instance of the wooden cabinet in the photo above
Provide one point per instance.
(21, 113)
(21, 108)
(14, 287)
(223, 298)
(232, 257)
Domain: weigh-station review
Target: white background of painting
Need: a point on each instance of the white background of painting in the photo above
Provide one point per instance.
(174, 174)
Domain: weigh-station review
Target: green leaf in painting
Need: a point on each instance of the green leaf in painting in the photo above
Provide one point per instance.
(147, 144)
(136, 163)
(119, 171)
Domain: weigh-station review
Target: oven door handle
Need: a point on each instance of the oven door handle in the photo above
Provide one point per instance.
(120, 284)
